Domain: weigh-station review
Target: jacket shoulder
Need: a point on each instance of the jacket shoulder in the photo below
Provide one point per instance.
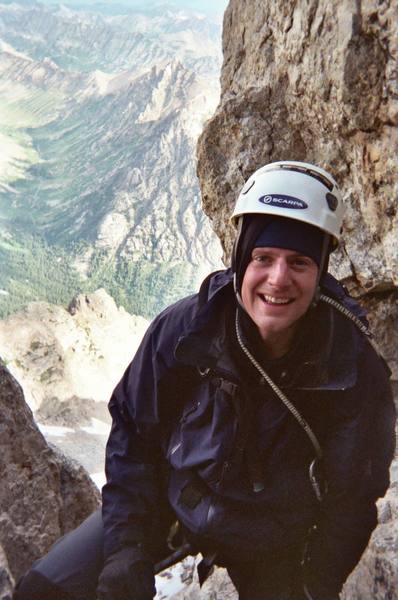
(178, 318)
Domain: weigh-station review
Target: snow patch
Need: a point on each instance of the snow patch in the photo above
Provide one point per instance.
(54, 430)
(97, 427)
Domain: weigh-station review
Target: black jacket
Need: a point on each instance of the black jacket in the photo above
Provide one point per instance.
(191, 401)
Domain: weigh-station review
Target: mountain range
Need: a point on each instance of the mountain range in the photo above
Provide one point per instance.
(99, 116)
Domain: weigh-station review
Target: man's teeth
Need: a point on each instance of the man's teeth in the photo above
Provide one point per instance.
(273, 300)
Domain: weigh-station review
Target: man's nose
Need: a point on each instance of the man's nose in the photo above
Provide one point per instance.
(279, 274)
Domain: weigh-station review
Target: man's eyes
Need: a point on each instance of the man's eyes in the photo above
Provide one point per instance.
(299, 262)
(262, 258)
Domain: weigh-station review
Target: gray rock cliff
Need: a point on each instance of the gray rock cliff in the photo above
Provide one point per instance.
(376, 576)
(81, 352)
(68, 361)
(42, 494)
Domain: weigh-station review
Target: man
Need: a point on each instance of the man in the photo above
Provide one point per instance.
(257, 413)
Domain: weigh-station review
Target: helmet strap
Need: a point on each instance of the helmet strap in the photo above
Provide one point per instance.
(237, 293)
(322, 264)
(235, 246)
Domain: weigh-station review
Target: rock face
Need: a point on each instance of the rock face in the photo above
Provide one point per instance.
(42, 495)
(315, 81)
(68, 361)
(60, 354)
(217, 586)
(376, 576)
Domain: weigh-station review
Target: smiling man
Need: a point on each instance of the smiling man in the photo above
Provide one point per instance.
(257, 414)
(278, 288)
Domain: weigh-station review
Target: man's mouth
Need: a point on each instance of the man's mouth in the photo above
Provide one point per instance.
(276, 301)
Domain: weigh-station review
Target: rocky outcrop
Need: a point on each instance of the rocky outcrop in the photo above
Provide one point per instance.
(42, 493)
(218, 586)
(376, 576)
(68, 361)
(315, 81)
(60, 354)
(383, 318)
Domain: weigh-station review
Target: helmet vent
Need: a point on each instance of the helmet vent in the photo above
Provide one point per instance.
(307, 171)
(332, 201)
(249, 187)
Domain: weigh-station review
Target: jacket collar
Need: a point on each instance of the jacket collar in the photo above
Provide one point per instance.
(203, 342)
(328, 364)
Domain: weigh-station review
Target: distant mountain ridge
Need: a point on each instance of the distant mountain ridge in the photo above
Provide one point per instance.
(99, 118)
(85, 41)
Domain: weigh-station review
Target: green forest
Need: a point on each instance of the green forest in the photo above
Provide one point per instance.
(33, 271)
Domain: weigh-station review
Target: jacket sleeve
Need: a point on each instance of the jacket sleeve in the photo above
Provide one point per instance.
(130, 498)
(358, 455)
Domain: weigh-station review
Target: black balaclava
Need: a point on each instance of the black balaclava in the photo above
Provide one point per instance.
(277, 232)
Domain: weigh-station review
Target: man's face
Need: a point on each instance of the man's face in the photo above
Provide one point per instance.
(277, 290)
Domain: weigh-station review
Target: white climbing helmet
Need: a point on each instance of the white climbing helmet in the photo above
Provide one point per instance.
(295, 190)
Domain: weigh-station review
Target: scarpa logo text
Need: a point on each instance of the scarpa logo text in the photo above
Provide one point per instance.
(283, 201)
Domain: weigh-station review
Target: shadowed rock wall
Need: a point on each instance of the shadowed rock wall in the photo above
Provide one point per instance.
(316, 80)
(42, 494)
